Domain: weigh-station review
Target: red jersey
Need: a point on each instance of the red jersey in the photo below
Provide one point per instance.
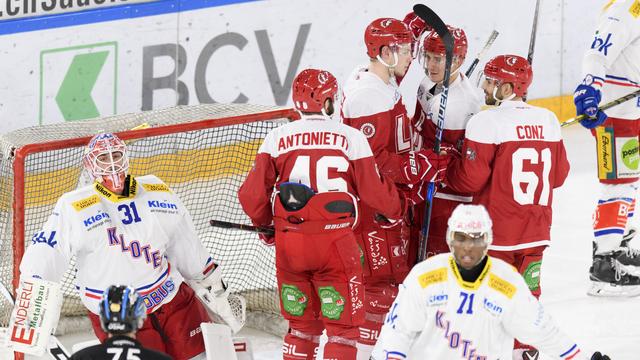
(323, 154)
(376, 109)
(512, 158)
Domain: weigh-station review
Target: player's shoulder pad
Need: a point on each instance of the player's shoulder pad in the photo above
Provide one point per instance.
(152, 183)
(367, 95)
(617, 10)
(432, 271)
(503, 278)
(481, 127)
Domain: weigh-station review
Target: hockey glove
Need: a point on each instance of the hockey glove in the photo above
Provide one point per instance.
(598, 356)
(269, 240)
(587, 98)
(425, 165)
(417, 27)
(385, 222)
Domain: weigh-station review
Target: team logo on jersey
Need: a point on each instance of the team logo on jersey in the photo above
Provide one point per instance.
(470, 154)
(368, 130)
(602, 45)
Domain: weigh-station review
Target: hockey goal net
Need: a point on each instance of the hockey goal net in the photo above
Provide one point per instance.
(203, 152)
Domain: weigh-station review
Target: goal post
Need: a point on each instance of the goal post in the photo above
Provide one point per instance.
(203, 152)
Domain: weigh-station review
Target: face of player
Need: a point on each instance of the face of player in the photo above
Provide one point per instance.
(112, 163)
(402, 53)
(434, 65)
(469, 248)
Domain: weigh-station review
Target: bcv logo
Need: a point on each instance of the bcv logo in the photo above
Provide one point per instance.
(602, 45)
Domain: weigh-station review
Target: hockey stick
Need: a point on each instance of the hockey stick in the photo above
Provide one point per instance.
(532, 39)
(56, 350)
(487, 45)
(229, 225)
(606, 106)
(432, 19)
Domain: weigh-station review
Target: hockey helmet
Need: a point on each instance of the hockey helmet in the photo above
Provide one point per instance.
(311, 88)
(433, 43)
(386, 32)
(512, 69)
(106, 159)
(122, 310)
(471, 220)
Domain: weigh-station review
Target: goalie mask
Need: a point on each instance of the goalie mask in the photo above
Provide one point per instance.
(122, 311)
(106, 159)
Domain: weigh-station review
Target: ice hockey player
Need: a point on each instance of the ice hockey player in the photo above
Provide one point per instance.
(122, 313)
(512, 158)
(464, 101)
(319, 168)
(610, 70)
(135, 231)
(468, 305)
(373, 104)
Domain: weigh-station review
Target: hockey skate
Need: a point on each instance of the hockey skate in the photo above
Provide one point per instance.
(611, 278)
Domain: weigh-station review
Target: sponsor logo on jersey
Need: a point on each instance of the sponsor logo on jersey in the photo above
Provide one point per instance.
(355, 293)
(492, 306)
(45, 238)
(437, 299)
(374, 248)
(294, 301)
(634, 10)
(605, 143)
(157, 296)
(331, 302)
(155, 204)
(85, 203)
(432, 277)
(602, 45)
(368, 130)
(470, 154)
(156, 187)
(94, 219)
(337, 226)
(629, 151)
(501, 285)
(532, 275)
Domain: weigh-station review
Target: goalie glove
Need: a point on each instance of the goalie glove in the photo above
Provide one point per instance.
(220, 303)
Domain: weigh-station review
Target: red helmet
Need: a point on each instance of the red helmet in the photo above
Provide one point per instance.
(433, 43)
(386, 32)
(311, 88)
(510, 69)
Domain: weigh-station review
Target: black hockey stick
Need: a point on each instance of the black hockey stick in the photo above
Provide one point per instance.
(432, 19)
(55, 348)
(532, 39)
(229, 225)
(606, 106)
(487, 45)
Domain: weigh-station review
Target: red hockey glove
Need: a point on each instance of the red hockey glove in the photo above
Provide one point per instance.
(425, 165)
(415, 193)
(385, 222)
(417, 27)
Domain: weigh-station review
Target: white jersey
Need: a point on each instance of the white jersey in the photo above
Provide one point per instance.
(146, 240)
(612, 62)
(438, 315)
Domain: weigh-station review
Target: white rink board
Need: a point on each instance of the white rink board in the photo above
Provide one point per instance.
(244, 52)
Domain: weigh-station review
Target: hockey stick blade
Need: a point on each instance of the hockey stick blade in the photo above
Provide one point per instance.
(229, 225)
(432, 19)
(487, 45)
(606, 106)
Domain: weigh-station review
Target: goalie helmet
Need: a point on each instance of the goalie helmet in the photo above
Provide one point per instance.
(122, 311)
(512, 69)
(471, 220)
(386, 32)
(106, 160)
(434, 44)
(311, 88)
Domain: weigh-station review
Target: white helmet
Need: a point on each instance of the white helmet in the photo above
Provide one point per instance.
(470, 219)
